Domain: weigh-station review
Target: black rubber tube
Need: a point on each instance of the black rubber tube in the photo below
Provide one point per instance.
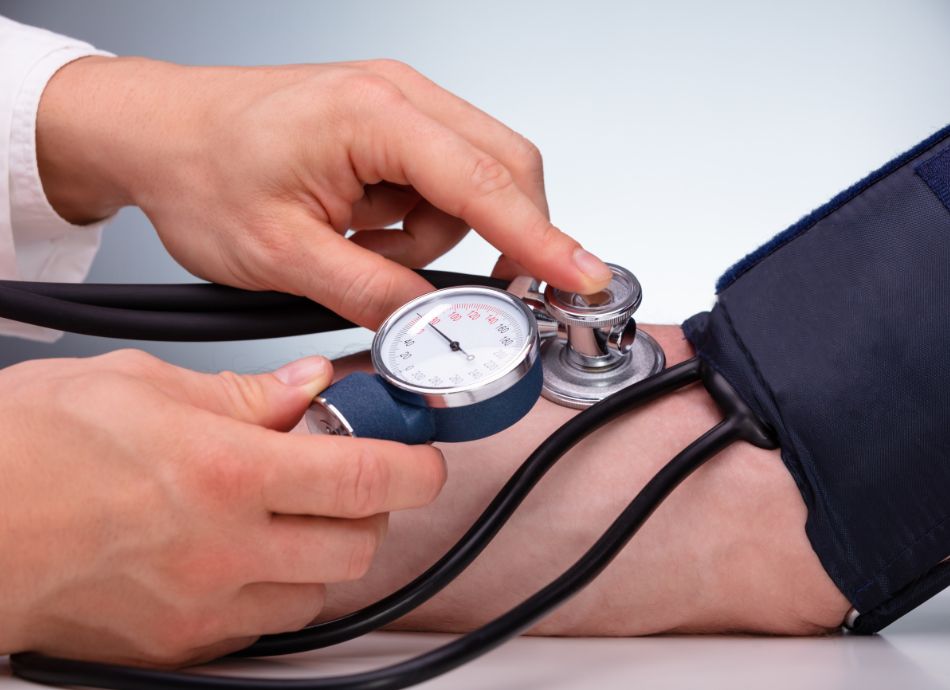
(37, 668)
(187, 297)
(158, 297)
(199, 312)
(492, 519)
(135, 324)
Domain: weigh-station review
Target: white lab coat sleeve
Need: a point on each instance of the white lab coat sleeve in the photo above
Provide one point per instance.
(35, 242)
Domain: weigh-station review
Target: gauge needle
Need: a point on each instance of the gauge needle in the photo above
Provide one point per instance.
(454, 344)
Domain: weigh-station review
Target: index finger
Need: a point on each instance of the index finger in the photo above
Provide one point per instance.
(333, 476)
(515, 152)
(466, 182)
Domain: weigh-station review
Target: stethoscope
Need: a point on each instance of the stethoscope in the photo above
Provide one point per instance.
(460, 363)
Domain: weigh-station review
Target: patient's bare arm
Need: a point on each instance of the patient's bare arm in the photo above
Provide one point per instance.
(726, 552)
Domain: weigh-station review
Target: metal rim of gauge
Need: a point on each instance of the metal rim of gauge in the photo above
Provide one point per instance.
(323, 418)
(477, 391)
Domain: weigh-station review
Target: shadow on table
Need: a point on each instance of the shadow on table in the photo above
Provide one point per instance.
(712, 662)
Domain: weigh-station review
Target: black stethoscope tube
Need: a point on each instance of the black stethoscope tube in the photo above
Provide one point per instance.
(184, 297)
(134, 324)
(198, 312)
(740, 423)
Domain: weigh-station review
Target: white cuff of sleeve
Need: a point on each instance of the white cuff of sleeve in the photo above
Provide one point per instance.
(48, 248)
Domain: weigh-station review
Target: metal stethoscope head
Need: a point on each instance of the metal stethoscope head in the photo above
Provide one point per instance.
(591, 346)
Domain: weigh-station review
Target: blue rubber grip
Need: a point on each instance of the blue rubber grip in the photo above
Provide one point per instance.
(371, 407)
(373, 413)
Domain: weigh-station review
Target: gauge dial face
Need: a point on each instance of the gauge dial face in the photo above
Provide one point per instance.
(452, 339)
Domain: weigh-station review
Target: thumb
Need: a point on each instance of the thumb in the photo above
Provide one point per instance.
(275, 401)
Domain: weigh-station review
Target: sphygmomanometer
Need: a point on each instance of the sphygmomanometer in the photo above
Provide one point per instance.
(827, 342)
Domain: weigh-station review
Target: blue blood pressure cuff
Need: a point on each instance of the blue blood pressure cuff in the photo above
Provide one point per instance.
(837, 332)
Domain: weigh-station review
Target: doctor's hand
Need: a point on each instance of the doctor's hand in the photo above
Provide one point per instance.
(253, 176)
(153, 515)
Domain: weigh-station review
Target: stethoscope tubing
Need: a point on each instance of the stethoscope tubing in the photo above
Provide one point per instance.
(191, 312)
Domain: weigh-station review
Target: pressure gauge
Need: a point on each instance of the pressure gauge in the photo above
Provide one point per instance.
(456, 347)
(453, 365)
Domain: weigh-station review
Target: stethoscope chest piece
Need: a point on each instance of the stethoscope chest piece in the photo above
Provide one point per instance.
(596, 348)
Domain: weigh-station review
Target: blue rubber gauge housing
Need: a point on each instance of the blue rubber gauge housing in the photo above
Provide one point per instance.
(454, 365)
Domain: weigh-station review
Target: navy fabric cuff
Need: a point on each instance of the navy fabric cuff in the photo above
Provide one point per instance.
(836, 332)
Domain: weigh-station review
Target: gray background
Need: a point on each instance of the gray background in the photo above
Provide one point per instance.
(677, 136)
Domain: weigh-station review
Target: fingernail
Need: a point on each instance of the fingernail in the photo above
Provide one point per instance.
(591, 266)
(303, 371)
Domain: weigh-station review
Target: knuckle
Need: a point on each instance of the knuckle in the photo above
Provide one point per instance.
(390, 66)
(274, 247)
(176, 636)
(219, 481)
(547, 233)
(315, 598)
(134, 363)
(545, 238)
(242, 391)
(363, 550)
(435, 475)
(489, 177)
(308, 601)
(369, 292)
(201, 566)
(365, 485)
(211, 474)
(373, 91)
(108, 384)
(549, 236)
(528, 155)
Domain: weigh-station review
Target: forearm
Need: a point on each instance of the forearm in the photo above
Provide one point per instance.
(727, 551)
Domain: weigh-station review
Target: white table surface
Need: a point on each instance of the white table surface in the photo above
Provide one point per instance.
(913, 653)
